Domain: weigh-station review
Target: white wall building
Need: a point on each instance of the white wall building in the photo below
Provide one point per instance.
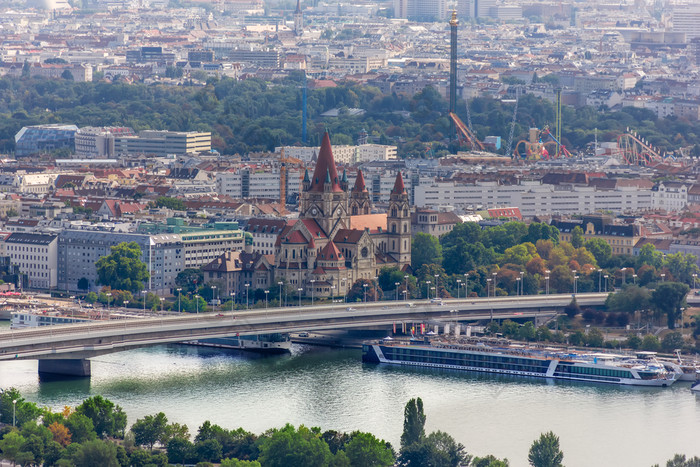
(671, 196)
(533, 198)
(36, 255)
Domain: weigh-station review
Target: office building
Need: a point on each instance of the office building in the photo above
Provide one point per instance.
(36, 257)
(38, 139)
(163, 143)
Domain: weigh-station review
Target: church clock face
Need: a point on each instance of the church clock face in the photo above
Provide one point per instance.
(314, 211)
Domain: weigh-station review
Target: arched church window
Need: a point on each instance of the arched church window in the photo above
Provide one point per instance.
(405, 228)
(366, 209)
(354, 210)
(393, 228)
(393, 212)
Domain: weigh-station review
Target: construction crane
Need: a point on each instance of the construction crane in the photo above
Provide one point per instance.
(283, 174)
(465, 135)
(512, 123)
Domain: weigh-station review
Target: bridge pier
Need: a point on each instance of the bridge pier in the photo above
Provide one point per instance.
(65, 367)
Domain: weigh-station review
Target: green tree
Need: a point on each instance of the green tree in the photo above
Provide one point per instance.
(672, 341)
(413, 422)
(209, 450)
(358, 289)
(425, 249)
(81, 428)
(650, 343)
(23, 411)
(679, 460)
(600, 249)
(189, 280)
(630, 299)
(238, 463)
(83, 283)
(595, 338)
(123, 269)
(364, 449)
(180, 450)
(545, 451)
(108, 419)
(438, 449)
(150, 429)
(176, 204)
(648, 255)
(577, 237)
(287, 446)
(489, 461)
(11, 445)
(668, 298)
(96, 452)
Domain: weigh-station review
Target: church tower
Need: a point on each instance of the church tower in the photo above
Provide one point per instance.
(323, 198)
(298, 20)
(399, 224)
(359, 197)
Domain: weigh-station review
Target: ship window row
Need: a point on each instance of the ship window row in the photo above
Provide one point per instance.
(473, 357)
(594, 371)
(586, 376)
(480, 361)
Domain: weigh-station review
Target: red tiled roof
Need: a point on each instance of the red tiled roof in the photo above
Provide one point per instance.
(330, 252)
(314, 228)
(295, 237)
(373, 222)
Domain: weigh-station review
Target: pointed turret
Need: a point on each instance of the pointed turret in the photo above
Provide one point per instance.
(298, 10)
(399, 187)
(344, 181)
(359, 183)
(325, 172)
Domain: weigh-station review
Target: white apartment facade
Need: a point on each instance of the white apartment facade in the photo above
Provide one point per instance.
(36, 256)
(533, 198)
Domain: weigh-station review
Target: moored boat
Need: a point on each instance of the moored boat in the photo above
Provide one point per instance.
(517, 359)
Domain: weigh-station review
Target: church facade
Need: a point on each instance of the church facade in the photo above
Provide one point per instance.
(336, 240)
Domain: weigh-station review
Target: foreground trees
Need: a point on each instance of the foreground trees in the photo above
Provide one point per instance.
(545, 451)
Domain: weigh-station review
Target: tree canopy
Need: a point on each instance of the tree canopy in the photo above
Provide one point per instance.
(123, 269)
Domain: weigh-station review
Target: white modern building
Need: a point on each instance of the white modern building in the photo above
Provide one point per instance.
(534, 198)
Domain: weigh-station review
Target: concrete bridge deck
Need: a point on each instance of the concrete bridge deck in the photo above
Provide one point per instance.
(69, 345)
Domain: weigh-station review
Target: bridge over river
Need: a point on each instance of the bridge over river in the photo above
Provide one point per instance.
(65, 349)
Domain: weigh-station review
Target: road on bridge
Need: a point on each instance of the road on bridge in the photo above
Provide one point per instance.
(80, 341)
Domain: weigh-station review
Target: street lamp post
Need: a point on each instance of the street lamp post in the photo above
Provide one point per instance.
(695, 276)
(663, 277)
(575, 284)
(126, 303)
(606, 282)
(396, 285)
(280, 283)
(109, 297)
(466, 285)
(299, 292)
(546, 278)
(405, 286)
(488, 287)
(459, 285)
(494, 283)
(196, 301)
(143, 292)
(376, 286)
(427, 287)
(364, 286)
(233, 300)
(179, 295)
(622, 283)
(213, 296)
(522, 283)
(266, 292)
(14, 411)
(332, 292)
(517, 286)
(246, 296)
(312, 291)
(634, 279)
(437, 288)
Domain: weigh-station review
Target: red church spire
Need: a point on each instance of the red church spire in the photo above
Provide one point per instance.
(325, 168)
(399, 188)
(359, 183)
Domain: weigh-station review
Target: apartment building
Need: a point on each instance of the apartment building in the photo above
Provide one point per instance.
(621, 237)
(258, 182)
(98, 142)
(36, 257)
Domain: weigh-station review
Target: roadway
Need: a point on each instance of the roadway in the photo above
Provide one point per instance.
(80, 341)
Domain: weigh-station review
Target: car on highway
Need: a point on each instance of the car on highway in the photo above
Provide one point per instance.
(350, 308)
(436, 301)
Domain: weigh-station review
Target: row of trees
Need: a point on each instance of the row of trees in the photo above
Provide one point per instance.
(252, 115)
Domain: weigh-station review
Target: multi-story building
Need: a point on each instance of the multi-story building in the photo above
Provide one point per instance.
(535, 198)
(202, 247)
(257, 182)
(686, 19)
(77, 72)
(433, 223)
(98, 142)
(621, 237)
(163, 143)
(236, 273)
(44, 138)
(20, 182)
(671, 196)
(264, 233)
(420, 9)
(36, 257)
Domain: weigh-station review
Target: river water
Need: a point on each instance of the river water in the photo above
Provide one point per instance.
(598, 425)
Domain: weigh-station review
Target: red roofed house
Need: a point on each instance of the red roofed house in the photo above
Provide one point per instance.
(336, 240)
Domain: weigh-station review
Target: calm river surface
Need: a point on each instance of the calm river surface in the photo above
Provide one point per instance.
(598, 425)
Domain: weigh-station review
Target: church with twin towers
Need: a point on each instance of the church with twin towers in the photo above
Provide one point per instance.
(337, 239)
